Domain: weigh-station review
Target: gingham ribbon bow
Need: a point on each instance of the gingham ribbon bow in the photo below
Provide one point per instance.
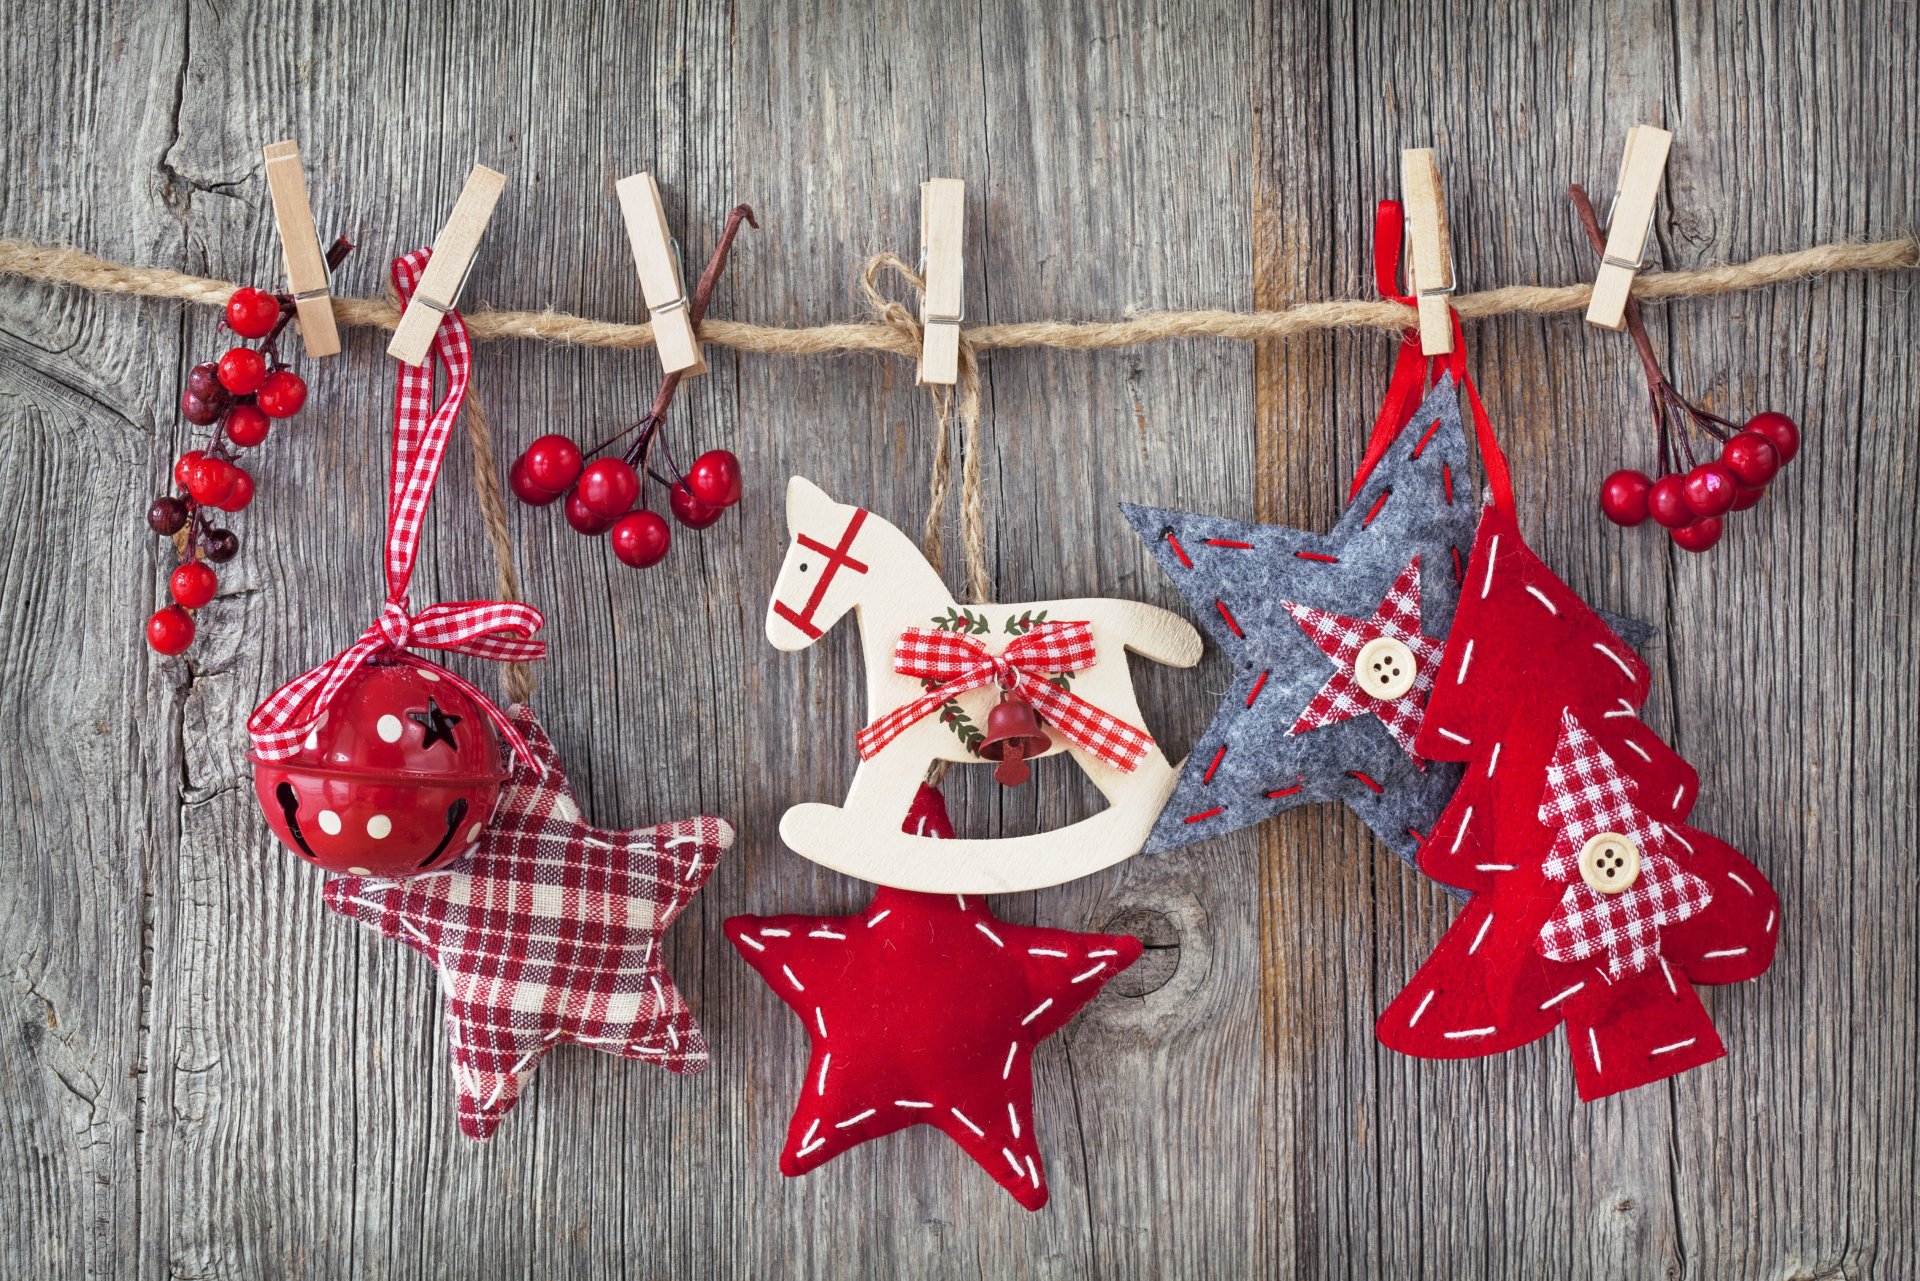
(964, 664)
(498, 630)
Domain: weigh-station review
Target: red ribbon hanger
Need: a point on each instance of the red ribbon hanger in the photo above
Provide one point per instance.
(1414, 373)
(498, 630)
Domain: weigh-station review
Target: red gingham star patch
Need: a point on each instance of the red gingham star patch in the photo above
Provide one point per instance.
(1341, 639)
(548, 930)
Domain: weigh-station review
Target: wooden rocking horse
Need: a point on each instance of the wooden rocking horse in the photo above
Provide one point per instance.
(1066, 657)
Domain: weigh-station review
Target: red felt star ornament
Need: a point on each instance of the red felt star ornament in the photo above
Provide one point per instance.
(925, 1009)
(548, 930)
(1342, 639)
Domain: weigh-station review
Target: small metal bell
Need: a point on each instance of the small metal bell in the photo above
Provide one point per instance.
(1014, 735)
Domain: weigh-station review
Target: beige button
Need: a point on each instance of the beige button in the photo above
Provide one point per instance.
(1610, 863)
(1385, 668)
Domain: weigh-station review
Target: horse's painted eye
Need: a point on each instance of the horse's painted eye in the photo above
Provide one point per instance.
(803, 567)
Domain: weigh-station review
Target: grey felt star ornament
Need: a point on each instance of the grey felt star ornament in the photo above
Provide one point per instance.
(1295, 611)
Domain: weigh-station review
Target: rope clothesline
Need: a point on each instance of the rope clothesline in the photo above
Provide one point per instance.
(52, 265)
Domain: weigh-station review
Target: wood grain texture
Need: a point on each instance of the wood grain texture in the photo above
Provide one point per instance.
(208, 1076)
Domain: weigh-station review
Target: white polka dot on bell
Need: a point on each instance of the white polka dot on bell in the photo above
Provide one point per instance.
(426, 675)
(473, 833)
(330, 822)
(379, 827)
(361, 871)
(389, 728)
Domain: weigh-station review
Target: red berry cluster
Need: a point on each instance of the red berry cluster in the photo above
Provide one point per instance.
(1690, 505)
(601, 494)
(239, 396)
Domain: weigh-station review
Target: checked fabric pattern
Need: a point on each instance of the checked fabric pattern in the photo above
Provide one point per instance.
(1587, 795)
(962, 664)
(497, 630)
(548, 931)
(1341, 638)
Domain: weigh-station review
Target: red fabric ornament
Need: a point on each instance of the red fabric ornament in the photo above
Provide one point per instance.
(548, 931)
(1539, 698)
(924, 1009)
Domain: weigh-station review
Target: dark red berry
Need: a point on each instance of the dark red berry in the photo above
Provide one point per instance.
(252, 313)
(242, 370)
(1747, 496)
(247, 425)
(1623, 496)
(552, 463)
(209, 479)
(200, 411)
(609, 487)
(167, 515)
(1709, 489)
(193, 584)
(170, 630)
(219, 545)
(525, 490)
(183, 466)
(281, 394)
(690, 511)
(1698, 536)
(1779, 429)
(714, 478)
(641, 538)
(1751, 458)
(239, 493)
(584, 518)
(203, 380)
(1667, 502)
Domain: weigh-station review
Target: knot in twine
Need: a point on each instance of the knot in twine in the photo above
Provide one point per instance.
(907, 334)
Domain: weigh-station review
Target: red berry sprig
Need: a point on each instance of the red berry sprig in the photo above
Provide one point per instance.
(601, 492)
(1691, 497)
(240, 396)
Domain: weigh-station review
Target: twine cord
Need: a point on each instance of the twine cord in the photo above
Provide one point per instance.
(896, 331)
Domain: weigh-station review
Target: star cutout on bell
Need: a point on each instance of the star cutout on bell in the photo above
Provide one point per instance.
(1283, 602)
(548, 930)
(435, 726)
(925, 1009)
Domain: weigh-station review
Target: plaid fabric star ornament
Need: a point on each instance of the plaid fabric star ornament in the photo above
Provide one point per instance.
(1593, 903)
(925, 1009)
(548, 930)
(1293, 610)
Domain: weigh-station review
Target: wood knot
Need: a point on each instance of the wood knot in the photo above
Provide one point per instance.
(1161, 954)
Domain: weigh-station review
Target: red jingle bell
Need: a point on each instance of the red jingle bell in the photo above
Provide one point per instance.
(1014, 736)
(400, 776)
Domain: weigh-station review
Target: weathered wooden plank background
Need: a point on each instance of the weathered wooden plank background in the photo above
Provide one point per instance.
(207, 1075)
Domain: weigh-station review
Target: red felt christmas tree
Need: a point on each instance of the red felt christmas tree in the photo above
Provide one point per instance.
(1593, 902)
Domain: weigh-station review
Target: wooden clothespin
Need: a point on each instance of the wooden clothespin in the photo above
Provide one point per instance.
(660, 281)
(446, 273)
(1430, 267)
(1629, 224)
(943, 235)
(300, 249)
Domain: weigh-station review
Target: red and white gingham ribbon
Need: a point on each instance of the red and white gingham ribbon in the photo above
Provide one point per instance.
(497, 630)
(965, 664)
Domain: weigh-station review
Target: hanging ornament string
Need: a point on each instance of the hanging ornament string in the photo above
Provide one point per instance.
(497, 630)
(1413, 372)
(961, 401)
(516, 677)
